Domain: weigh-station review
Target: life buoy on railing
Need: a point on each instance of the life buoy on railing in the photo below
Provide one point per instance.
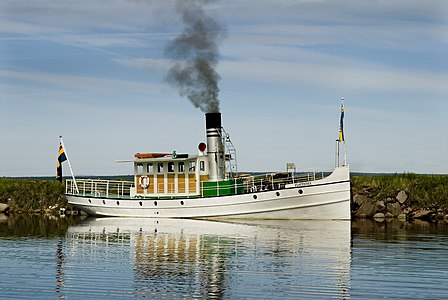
(144, 181)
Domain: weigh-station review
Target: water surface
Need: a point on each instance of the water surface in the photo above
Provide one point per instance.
(116, 258)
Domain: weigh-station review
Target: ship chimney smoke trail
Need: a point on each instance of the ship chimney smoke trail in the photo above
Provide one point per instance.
(195, 55)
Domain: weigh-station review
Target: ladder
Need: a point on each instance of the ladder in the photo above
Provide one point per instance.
(230, 155)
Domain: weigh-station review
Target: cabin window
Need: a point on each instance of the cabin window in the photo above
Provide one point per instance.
(160, 167)
(139, 168)
(170, 167)
(149, 168)
(191, 166)
(202, 165)
(181, 167)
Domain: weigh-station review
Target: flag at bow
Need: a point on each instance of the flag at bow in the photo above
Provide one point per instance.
(341, 123)
(61, 158)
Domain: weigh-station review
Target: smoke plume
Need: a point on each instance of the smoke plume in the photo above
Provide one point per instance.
(195, 54)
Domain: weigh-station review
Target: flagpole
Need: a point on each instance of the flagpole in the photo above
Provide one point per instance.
(345, 146)
(336, 154)
(69, 165)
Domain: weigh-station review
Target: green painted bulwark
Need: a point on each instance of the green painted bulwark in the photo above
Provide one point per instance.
(222, 188)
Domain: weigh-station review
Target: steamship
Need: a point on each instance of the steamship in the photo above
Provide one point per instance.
(208, 185)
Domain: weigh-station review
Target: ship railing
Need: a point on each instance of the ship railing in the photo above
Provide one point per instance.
(276, 181)
(257, 183)
(99, 188)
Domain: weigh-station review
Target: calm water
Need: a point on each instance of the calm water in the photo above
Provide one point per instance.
(113, 258)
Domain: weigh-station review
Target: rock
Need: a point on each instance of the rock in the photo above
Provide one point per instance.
(423, 214)
(390, 200)
(3, 218)
(402, 217)
(407, 210)
(402, 197)
(359, 199)
(380, 206)
(4, 208)
(379, 216)
(440, 216)
(366, 208)
(394, 209)
(389, 215)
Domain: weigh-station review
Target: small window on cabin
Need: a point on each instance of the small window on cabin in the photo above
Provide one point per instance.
(160, 167)
(191, 166)
(149, 168)
(139, 168)
(202, 165)
(170, 167)
(181, 167)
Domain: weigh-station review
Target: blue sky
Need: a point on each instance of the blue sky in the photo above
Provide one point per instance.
(94, 72)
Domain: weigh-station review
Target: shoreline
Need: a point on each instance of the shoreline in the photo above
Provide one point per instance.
(404, 196)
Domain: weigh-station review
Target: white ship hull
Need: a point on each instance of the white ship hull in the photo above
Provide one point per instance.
(327, 198)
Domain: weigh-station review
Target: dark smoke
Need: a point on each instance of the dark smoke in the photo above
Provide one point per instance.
(195, 55)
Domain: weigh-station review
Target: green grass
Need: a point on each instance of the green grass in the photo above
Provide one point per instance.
(25, 195)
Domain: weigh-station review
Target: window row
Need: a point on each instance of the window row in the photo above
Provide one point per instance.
(169, 167)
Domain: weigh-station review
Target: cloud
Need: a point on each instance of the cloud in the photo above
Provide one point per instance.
(322, 75)
(160, 65)
(76, 83)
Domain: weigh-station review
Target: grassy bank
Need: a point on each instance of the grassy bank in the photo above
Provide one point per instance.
(425, 195)
(424, 191)
(31, 196)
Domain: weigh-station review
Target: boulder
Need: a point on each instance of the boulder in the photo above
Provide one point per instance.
(4, 208)
(367, 209)
(390, 200)
(380, 206)
(423, 214)
(402, 197)
(379, 216)
(359, 199)
(389, 215)
(394, 209)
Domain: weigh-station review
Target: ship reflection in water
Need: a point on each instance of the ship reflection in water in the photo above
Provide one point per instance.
(176, 258)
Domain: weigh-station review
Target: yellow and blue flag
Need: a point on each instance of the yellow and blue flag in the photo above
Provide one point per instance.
(341, 124)
(61, 158)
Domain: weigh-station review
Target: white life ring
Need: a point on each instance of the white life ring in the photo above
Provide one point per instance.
(144, 181)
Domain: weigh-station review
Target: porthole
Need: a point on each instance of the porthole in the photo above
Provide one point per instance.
(141, 203)
(90, 201)
(155, 203)
(104, 202)
(300, 192)
(118, 202)
(277, 193)
(255, 197)
(181, 202)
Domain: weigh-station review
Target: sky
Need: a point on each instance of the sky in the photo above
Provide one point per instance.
(94, 71)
